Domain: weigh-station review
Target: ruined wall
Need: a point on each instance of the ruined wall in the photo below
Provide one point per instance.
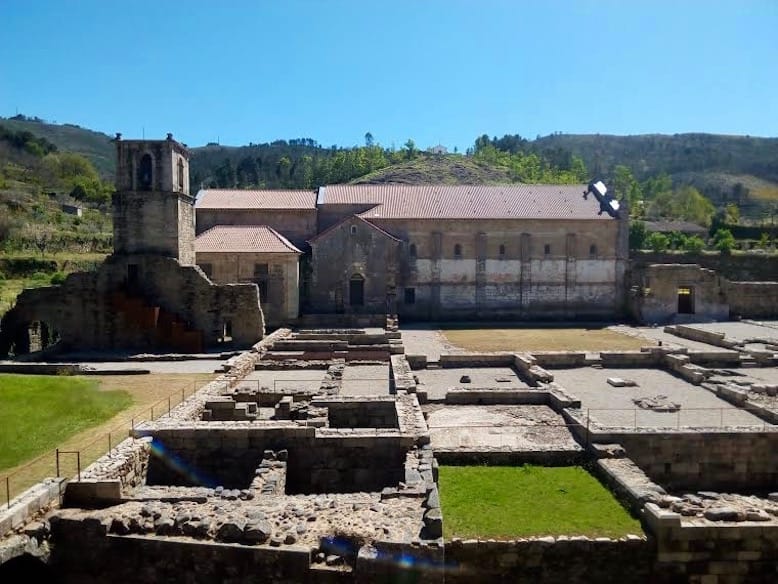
(340, 255)
(719, 461)
(281, 282)
(84, 309)
(517, 268)
(576, 561)
(753, 299)
(297, 225)
(736, 267)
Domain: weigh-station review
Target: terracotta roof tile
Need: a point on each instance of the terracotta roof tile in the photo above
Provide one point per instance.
(243, 239)
(256, 199)
(395, 201)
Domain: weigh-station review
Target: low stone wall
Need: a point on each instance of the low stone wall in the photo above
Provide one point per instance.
(373, 412)
(30, 503)
(476, 360)
(547, 559)
(400, 374)
(560, 359)
(702, 336)
(616, 359)
(753, 299)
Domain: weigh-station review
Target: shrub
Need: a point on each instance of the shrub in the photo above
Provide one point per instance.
(724, 241)
(58, 278)
(694, 243)
(658, 242)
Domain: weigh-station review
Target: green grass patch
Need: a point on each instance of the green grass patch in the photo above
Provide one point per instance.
(507, 502)
(37, 412)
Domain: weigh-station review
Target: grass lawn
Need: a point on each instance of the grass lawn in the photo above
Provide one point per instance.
(542, 339)
(39, 411)
(138, 394)
(503, 502)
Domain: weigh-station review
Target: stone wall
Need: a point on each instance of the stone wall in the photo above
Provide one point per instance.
(85, 313)
(297, 225)
(573, 560)
(753, 299)
(281, 283)
(719, 461)
(739, 267)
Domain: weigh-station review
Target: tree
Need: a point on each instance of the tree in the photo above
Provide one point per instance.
(410, 149)
(732, 214)
(724, 241)
(637, 235)
(368, 139)
(40, 235)
(625, 186)
(694, 244)
(658, 242)
(690, 205)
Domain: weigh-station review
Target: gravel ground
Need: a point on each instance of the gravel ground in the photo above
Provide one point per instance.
(505, 428)
(658, 334)
(420, 340)
(365, 380)
(438, 381)
(613, 406)
(194, 366)
(309, 380)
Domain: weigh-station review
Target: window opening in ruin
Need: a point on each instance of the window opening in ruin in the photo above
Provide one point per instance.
(502, 251)
(457, 251)
(145, 174)
(207, 269)
(181, 174)
(262, 291)
(357, 290)
(227, 332)
(410, 296)
(132, 275)
(547, 249)
(592, 250)
(353, 230)
(412, 250)
(685, 300)
(260, 270)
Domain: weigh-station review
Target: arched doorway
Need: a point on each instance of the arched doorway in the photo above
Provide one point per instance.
(356, 290)
(145, 173)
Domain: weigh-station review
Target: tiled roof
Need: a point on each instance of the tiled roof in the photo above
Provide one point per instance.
(395, 201)
(243, 239)
(668, 226)
(262, 199)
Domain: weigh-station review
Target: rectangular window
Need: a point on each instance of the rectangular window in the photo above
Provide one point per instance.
(547, 249)
(410, 296)
(260, 270)
(207, 269)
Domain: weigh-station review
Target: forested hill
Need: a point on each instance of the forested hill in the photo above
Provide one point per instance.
(739, 169)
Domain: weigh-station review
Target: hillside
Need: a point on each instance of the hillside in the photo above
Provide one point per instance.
(95, 146)
(450, 169)
(739, 169)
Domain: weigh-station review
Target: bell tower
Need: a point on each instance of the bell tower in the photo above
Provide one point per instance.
(153, 212)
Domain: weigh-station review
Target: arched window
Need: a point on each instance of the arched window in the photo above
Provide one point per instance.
(412, 250)
(592, 250)
(547, 249)
(502, 251)
(457, 251)
(353, 230)
(145, 173)
(181, 175)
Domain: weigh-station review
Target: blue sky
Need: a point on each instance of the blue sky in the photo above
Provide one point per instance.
(436, 71)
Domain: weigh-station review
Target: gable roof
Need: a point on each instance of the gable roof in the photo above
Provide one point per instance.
(254, 199)
(669, 226)
(243, 239)
(358, 219)
(396, 201)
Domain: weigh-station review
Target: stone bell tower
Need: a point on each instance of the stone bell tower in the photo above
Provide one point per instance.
(153, 212)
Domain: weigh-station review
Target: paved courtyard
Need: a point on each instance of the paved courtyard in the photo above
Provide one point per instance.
(306, 380)
(438, 381)
(657, 334)
(505, 428)
(365, 380)
(614, 406)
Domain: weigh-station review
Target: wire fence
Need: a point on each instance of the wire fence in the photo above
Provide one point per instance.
(68, 463)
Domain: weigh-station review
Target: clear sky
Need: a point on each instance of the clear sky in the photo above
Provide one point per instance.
(436, 71)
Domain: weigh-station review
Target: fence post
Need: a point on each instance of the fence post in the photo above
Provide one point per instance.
(168, 405)
(57, 451)
(152, 414)
(678, 421)
(588, 435)
(78, 464)
(109, 444)
(8, 491)
(182, 395)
